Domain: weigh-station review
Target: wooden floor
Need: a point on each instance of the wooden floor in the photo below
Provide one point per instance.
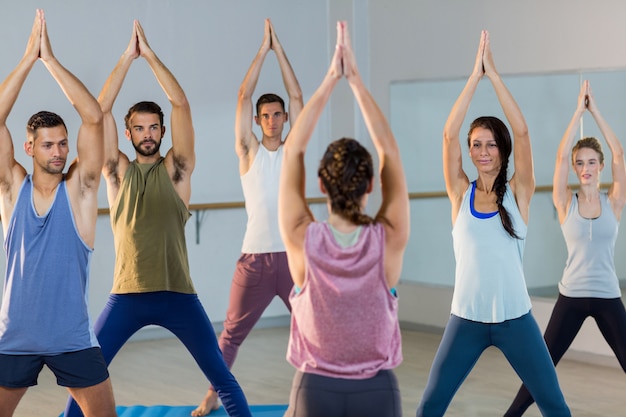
(162, 372)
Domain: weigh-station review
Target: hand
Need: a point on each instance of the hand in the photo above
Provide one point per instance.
(34, 41)
(133, 46)
(488, 65)
(583, 97)
(350, 69)
(267, 36)
(336, 69)
(479, 68)
(274, 42)
(591, 101)
(45, 50)
(142, 42)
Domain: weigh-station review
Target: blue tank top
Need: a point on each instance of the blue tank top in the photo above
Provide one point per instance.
(489, 285)
(44, 301)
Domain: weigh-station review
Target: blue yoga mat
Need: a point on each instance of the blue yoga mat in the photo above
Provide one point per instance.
(185, 411)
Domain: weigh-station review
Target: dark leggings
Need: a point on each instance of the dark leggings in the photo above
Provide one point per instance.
(566, 320)
(184, 316)
(315, 396)
(462, 344)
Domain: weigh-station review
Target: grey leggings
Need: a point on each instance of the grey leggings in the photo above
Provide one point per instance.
(315, 395)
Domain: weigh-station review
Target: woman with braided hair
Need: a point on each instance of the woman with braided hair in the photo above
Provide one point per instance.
(490, 305)
(345, 337)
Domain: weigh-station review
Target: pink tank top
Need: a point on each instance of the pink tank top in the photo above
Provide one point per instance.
(344, 320)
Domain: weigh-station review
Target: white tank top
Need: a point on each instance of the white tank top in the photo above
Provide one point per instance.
(260, 191)
(489, 284)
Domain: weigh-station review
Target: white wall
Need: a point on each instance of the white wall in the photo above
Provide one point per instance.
(209, 45)
(434, 40)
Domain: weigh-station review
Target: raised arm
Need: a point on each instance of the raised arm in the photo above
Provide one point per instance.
(115, 162)
(289, 77)
(89, 143)
(561, 192)
(246, 142)
(394, 209)
(181, 158)
(523, 180)
(83, 177)
(617, 191)
(455, 178)
(293, 212)
(12, 173)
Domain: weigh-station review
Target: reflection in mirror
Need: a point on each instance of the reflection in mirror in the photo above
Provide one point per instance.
(418, 112)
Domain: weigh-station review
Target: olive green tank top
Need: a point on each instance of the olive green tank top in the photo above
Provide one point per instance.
(148, 221)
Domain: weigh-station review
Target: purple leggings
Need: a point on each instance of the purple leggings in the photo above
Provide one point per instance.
(258, 278)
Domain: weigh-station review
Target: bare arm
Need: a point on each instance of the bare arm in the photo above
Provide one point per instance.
(115, 162)
(246, 143)
(294, 92)
(394, 209)
(89, 142)
(455, 178)
(12, 173)
(181, 159)
(84, 175)
(293, 212)
(561, 193)
(617, 191)
(523, 180)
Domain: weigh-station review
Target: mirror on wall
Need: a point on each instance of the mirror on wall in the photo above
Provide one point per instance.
(418, 112)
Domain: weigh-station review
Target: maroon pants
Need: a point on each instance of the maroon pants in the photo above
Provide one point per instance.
(258, 278)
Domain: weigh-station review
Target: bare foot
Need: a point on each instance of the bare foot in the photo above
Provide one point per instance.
(208, 404)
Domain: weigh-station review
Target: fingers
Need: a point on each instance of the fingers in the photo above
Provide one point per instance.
(267, 35)
(139, 29)
(488, 65)
(486, 44)
(274, 42)
(142, 41)
(479, 68)
(339, 33)
(346, 36)
(45, 51)
(133, 45)
(336, 64)
(268, 27)
(34, 40)
(590, 100)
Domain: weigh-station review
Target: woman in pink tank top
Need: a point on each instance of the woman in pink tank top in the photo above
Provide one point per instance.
(345, 338)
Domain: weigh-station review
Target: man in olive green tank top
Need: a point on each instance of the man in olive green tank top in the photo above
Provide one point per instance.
(149, 201)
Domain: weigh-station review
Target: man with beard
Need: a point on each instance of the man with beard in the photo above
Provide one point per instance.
(49, 224)
(149, 205)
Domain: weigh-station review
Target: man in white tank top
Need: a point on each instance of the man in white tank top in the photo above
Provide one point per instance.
(262, 271)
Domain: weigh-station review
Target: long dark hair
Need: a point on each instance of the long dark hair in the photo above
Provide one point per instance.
(346, 170)
(503, 142)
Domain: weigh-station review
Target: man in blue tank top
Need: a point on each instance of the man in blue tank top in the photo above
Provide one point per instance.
(49, 224)
(261, 272)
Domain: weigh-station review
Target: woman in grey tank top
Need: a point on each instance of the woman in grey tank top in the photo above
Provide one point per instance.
(589, 220)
